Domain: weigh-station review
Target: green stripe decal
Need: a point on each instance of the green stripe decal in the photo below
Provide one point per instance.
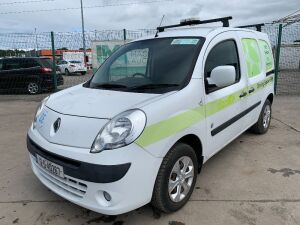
(268, 55)
(182, 121)
(170, 126)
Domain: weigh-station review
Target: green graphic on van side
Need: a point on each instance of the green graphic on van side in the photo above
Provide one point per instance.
(175, 124)
(171, 126)
(268, 55)
(251, 50)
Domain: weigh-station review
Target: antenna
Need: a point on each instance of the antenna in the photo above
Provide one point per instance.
(162, 19)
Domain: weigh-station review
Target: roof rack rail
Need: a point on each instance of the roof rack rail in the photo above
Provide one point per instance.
(258, 26)
(224, 20)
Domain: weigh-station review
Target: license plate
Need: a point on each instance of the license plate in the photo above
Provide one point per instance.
(51, 167)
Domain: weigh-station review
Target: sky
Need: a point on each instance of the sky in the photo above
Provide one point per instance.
(141, 14)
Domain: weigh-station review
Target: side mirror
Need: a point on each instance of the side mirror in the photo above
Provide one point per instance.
(223, 76)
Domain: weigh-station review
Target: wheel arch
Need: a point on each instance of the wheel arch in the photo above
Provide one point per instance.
(195, 142)
(270, 98)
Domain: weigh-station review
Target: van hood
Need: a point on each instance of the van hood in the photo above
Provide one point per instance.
(96, 103)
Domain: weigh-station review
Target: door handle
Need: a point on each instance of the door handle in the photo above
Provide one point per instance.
(251, 90)
(243, 94)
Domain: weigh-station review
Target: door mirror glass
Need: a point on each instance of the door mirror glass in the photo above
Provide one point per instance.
(223, 76)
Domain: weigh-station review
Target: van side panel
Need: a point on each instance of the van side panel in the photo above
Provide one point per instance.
(260, 67)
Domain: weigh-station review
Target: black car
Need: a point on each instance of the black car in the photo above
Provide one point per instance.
(33, 75)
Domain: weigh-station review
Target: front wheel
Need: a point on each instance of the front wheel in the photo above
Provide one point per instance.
(83, 73)
(264, 120)
(176, 179)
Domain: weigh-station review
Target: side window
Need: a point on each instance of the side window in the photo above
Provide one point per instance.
(11, 65)
(28, 63)
(1, 64)
(267, 54)
(223, 54)
(133, 63)
(252, 54)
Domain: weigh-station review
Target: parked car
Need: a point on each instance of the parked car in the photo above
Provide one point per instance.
(158, 108)
(32, 74)
(71, 67)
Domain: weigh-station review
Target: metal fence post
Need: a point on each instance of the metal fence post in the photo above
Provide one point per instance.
(125, 58)
(277, 56)
(53, 62)
(124, 34)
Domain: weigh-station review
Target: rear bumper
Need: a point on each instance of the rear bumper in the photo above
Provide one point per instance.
(77, 70)
(49, 83)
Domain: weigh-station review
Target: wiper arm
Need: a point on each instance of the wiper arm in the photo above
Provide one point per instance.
(152, 86)
(109, 86)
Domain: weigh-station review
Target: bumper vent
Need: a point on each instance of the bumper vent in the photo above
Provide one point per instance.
(67, 184)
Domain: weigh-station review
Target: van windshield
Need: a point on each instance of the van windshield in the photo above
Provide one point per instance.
(152, 66)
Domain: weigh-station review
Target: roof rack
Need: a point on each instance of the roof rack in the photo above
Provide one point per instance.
(224, 20)
(258, 26)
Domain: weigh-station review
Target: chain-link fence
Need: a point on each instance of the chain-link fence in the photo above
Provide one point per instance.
(289, 61)
(34, 73)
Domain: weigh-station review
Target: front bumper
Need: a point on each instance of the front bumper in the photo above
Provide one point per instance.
(129, 188)
(81, 170)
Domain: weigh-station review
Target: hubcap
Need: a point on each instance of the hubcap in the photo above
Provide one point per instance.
(267, 116)
(33, 88)
(181, 179)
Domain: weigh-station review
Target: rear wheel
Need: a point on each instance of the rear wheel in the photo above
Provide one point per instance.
(33, 88)
(176, 179)
(264, 120)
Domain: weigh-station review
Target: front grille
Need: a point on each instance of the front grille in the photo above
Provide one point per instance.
(66, 184)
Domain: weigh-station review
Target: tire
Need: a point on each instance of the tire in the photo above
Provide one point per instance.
(67, 72)
(264, 120)
(83, 73)
(33, 88)
(173, 162)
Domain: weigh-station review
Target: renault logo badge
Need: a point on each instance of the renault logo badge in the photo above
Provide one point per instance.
(56, 125)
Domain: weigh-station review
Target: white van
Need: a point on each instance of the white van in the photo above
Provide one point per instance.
(158, 108)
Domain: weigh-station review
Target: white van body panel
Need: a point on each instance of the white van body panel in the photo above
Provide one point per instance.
(188, 102)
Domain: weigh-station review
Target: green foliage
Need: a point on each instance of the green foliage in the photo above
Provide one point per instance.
(63, 48)
(11, 52)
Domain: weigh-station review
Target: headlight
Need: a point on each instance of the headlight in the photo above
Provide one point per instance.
(39, 109)
(122, 130)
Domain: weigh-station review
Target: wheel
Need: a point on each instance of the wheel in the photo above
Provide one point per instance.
(83, 73)
(264, 120)
(33, 88)
(67, 72)
(176, 179)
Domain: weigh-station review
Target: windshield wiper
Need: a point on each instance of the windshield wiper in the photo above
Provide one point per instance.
(152, 86)
(109, 86)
